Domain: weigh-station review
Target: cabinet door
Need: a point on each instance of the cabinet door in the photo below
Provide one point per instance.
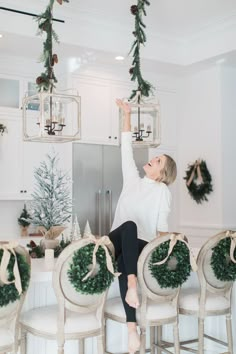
(96, 120)
(11, 159)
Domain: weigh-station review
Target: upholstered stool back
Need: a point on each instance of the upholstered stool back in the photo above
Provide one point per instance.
(65, 291)
(205, 271)
(148, 283)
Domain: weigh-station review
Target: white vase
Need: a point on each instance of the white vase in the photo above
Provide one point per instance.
(49, 244)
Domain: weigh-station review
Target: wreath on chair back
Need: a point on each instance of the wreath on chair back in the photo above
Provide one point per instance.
(8, 292)
(176, 270)
(199, 181)
(223, 267)
(81, 265)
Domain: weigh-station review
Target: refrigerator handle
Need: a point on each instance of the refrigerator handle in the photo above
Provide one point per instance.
(109, 197)
(99, 195)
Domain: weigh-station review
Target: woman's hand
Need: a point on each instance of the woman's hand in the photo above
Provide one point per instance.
(124, 106)
(126, 109)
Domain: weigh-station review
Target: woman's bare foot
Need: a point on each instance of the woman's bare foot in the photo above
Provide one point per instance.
(132, 294)
(133, 338)
(132, 297)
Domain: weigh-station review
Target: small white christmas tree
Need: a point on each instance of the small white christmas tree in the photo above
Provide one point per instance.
(51, 205)
(75, 232)
(87, 230)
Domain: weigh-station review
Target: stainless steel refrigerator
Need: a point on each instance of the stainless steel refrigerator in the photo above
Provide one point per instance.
(97, 183)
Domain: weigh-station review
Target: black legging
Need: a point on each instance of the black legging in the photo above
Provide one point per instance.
(127, 250)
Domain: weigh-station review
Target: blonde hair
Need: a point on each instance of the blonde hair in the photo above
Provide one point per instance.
(169, 171)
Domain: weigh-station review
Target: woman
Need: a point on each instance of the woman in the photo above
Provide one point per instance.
(141, 215)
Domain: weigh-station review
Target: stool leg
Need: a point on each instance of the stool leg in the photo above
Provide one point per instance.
(152, 340)
(200, 336)
(100, 342)
(81, 346)
(176, 337)
(229, 333)
(143, 341)
(23, 342)
(159, 338)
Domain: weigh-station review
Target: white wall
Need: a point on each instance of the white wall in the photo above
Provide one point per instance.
(206, 128)
(228, 77)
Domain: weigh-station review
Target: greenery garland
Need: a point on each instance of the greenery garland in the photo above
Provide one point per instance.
(163, 273)
(223, 268)
(8, 292)
(199, 191)
(47, 79)
(140, 38)
(79, 268)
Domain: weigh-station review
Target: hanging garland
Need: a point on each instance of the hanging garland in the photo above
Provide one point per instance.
(199, 181)
(8, 292)
(47, 79)
(79, 268)
(140, 38)
(166, 276)
(223, 268)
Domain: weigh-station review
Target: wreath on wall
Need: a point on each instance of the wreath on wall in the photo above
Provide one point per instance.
(223, 267)
(8, 292)
(176, 270)
(80, 266)
(199, 181)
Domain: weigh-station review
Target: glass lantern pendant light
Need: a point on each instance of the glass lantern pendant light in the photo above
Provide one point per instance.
(145, 114)
(49, 115)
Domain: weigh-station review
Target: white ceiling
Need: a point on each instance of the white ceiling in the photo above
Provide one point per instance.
(181, 32)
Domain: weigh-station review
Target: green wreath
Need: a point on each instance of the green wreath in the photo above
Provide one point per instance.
(8, 292)
(82, 259)
(223, 268)
(198, 191)
(167, 276)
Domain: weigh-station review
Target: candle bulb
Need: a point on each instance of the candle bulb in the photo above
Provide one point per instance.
(141, 126)
(149, 129)
(135, 129)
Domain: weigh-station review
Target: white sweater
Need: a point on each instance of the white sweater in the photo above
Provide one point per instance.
(142, 200)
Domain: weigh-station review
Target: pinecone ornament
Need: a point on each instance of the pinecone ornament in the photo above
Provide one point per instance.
(134, 9)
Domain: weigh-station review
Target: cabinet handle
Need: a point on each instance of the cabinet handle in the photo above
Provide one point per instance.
(99, 212)
(115, 137)
(21, 191)
(25, 191)
(109, 219)
(109, 137)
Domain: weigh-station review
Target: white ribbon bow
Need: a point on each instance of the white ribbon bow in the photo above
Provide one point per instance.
(232, 235)
(173, 240)
(103, 241)
(8, 249)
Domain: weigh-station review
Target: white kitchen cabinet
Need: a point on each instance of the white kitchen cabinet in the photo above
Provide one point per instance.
(18, 159)
(10, 159)
(99, 114)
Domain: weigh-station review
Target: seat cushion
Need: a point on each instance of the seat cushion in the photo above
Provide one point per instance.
(6, 337)
(155, 311)
(44, 319)
(189, 300)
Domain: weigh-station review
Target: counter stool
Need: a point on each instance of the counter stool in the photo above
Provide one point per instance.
(159, 306)
(76, 316)
(213, 298)
(9, 314)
